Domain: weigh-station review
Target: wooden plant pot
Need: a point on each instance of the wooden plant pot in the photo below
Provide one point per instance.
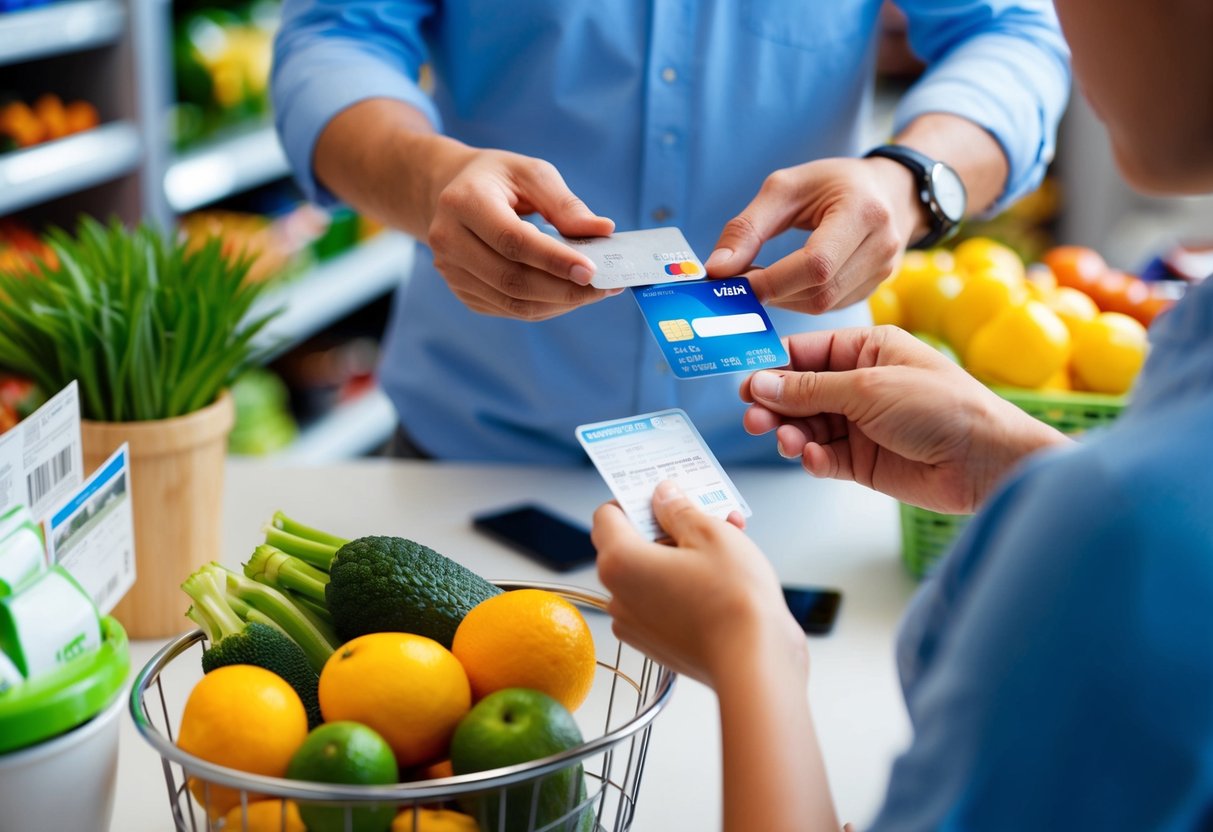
(177, 503)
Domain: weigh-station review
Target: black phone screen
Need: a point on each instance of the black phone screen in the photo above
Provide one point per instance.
(814, 609)
(535, 531)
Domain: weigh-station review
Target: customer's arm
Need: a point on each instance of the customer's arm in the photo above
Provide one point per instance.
(882, 408)
(710, 607)
(357, 127)
(997, 83)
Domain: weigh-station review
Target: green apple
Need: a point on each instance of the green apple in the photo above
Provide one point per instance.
(513, 726)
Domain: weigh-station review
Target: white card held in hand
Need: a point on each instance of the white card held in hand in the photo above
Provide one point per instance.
(633, 455)
(639, 258)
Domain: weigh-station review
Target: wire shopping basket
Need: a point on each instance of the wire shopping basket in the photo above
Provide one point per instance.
(628, 692)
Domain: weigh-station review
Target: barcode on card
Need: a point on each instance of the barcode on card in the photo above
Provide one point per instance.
(49, 474)
(713, 497)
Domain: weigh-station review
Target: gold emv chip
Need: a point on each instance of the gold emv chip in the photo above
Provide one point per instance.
(677, 330)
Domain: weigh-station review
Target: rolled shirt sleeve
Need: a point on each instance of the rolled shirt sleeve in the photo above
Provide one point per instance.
(331, 54)
(1003, 66)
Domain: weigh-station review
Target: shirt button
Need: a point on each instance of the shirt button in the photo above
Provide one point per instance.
(669, 75)
(661, 214)
(669, 138)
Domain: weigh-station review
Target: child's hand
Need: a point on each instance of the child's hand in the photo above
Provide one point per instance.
(700, 605)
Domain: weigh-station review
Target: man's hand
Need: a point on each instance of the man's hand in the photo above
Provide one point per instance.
(494, 261)
(880, 407)
(862, 212)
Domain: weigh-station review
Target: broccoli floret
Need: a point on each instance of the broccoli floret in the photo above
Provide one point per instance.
(256, 641)
(381, 584)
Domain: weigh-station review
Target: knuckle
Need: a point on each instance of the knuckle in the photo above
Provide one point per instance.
(818, 267)
(781, 182)
(510, 243)
(741, 227)
(521, 309)
(511, 279)
(874, 213)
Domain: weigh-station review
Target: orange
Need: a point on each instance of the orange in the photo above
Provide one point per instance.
(528, 638)
(885, 305)
(1023, 346)
(407, 687)
(981, 254)
(1075, 266)
(983, 296)
(1072, 306)
(245, 718)
(266, 816)
(434, 820)
(1109, 352)
(923, 298)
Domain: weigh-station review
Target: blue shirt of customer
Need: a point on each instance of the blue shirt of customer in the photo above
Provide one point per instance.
(656, 113)
(1058, 668)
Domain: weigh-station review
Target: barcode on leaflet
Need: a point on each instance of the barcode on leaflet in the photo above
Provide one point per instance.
(717, 496)
(49, 474)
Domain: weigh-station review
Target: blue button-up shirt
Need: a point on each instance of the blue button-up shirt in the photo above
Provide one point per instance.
(1058, 668)
(656, 113)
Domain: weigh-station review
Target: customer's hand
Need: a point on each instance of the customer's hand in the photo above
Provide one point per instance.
(862, 212)
(495, 262)
(698, 606)
(882, 408)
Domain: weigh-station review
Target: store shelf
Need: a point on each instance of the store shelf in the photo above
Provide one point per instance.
(334, 289)
(59, 28)
(64, 166)
(353, 429)
(231, 162)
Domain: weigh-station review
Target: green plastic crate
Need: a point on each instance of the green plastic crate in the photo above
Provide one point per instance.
(926, 535)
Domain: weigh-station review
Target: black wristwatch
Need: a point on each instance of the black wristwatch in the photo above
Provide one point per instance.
(940, 191)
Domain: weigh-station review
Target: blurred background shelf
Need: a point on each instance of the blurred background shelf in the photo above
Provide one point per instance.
(59, 28)
(64, 166)
(352, 429)
(334, 288)
(236, 160)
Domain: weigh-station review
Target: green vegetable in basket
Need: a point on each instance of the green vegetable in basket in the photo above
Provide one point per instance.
(252, 639)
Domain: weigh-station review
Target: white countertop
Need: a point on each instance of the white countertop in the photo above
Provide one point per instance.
(815, 532)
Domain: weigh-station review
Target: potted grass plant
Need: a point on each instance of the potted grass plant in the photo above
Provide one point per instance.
(154, 333)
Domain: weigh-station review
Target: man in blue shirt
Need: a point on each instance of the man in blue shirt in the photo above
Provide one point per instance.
(650, 114)
(1058, 666)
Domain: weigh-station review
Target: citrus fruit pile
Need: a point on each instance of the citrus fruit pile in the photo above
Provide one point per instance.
(399, 706)
(1067, 323)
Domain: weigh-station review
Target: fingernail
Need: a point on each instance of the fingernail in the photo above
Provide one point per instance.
(612, 292)
(666, 490)
(580, 275)
(718, 257)
(767, 386)
(784, 453)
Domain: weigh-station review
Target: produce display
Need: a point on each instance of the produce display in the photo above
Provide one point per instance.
(18, 399)
(221, 58)
(1068, 323)
(263, 420)
(48, 118)
(376, 661)
(21, 248)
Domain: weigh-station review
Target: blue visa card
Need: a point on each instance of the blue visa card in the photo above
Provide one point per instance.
(710, 327)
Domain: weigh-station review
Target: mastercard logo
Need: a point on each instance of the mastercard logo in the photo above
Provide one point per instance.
(685, 267)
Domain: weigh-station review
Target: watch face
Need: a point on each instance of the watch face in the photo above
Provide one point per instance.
(949, 192)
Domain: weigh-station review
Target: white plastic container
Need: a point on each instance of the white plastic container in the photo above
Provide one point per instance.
(66, 783)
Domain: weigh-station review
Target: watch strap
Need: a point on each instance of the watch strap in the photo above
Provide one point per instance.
(921, 165)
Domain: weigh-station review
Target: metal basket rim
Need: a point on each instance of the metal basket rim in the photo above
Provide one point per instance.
(402, 792)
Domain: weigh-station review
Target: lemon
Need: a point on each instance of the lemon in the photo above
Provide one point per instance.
(885, 305)
(1073, 307)
(983, 297)
(434, 820)
(916, 264)
(1108, 353)
(266, 816)
(1023, 346)
(923, 298)
(981, 254)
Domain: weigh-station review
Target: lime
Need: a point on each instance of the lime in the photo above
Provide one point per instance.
(517, 725)
(349, 753)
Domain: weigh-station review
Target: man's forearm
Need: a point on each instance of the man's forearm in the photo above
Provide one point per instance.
(973, 153)
(383, 157)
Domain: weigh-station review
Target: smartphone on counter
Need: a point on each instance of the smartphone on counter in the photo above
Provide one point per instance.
(538, 532)
(814, 608)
